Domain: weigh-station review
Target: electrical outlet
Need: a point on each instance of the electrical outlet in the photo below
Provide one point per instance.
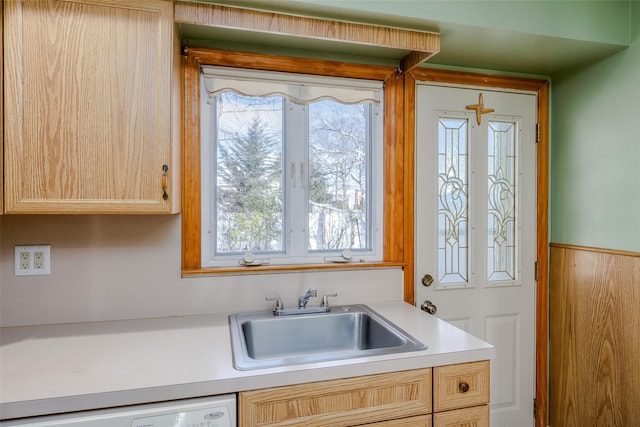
(33, 260)
(25, 260)
(38, 260)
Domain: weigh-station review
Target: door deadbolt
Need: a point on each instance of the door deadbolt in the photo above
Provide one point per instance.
(429, 307)
(427, 280)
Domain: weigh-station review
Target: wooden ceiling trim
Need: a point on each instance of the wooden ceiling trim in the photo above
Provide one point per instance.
(422, 44)
(413, 59)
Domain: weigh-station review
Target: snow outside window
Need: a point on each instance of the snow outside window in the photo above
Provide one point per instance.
(292, 168)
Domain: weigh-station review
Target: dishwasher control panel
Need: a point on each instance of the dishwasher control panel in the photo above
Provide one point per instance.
(209, 417)
(213, 411)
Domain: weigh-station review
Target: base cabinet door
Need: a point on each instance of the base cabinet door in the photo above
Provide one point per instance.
(477, 416)
(90, 106)
(461, 385)
(423, 421)
(459, 398)
(340, 403)
(461, 395)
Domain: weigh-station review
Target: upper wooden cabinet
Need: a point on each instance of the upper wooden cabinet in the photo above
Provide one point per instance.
(91, 108)
(1, 128)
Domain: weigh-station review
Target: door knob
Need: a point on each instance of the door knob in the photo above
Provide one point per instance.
(429, 307)
(427, 280)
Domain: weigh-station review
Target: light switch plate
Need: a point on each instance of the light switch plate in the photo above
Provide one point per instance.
(32, 260)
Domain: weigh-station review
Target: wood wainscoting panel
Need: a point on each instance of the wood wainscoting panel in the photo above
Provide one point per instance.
(594, 337)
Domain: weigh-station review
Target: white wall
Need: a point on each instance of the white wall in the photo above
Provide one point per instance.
(124, 267)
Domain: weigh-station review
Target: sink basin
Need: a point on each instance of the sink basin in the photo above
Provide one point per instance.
(262, 340)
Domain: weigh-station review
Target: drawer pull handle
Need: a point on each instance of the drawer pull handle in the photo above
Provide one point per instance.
(464, 387)
(165, 195)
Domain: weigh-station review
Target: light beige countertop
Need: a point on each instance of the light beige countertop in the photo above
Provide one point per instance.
(71, 367)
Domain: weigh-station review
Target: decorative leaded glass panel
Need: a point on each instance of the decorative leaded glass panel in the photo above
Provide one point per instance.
(453, 259)
(501, 250)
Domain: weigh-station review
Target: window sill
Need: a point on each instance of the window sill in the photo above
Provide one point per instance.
(265, 269)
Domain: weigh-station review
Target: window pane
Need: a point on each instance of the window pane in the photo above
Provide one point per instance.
(452, 201)
(502, 202)
(339, 157)
(249, 188)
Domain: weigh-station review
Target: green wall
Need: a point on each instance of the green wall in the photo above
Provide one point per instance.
(595, 151)
(597, 21)
(595, 112)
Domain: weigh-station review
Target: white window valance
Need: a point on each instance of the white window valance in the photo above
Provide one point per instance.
(298, 88)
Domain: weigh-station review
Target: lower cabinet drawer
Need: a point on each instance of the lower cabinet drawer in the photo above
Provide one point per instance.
(477, 416)
(339, 403)
(459, 386)
(423, 421)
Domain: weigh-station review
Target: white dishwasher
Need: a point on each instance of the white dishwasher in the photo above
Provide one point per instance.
(218, 411)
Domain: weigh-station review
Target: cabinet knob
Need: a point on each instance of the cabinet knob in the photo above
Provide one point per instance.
(464, 387)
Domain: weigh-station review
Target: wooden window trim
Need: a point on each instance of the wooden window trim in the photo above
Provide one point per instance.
(393, 157)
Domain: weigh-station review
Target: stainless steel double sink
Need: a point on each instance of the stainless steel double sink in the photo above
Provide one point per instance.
(263, 340)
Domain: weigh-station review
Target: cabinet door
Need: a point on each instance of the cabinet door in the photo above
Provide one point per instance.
(457, 386)
(477, 416)
(88, 106)
(343, 402)
(423, 421)
(1, 125)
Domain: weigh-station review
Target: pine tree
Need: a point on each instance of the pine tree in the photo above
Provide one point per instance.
(249, 190)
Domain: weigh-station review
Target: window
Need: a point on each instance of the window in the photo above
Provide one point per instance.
(291, 168)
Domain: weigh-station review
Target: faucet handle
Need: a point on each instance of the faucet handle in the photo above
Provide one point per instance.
(279, 305)
(302, 301)
(325, 300)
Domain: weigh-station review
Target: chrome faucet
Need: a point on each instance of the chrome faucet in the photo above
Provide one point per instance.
(281, 310)
(303, 300)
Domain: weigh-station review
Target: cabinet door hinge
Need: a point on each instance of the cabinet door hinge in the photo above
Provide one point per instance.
(536, 270)
(537, 132)
(535, 408)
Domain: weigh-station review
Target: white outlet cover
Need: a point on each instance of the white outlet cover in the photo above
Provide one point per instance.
(32, 271)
